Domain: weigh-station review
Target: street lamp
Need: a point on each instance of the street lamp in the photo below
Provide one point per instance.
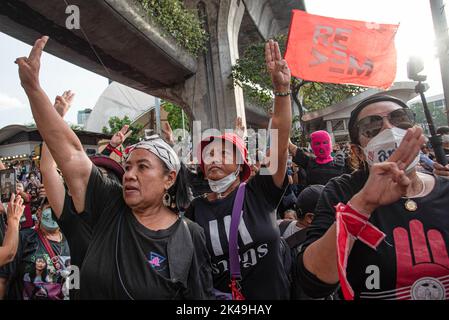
(414, 66)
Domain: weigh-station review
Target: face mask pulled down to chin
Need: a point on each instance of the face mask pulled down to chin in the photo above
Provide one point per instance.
(382, 146)
(220, 186)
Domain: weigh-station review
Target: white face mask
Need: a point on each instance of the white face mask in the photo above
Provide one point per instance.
(220, 186)
(382, 146)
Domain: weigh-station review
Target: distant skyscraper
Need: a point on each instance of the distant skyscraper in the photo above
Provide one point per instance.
(83, 116)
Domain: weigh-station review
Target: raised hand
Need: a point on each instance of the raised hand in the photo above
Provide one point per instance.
(277, 67)
(387, 181)
(15, 209)
(29, 67)
(120, 137)
(239, 128)
(409, 148)
(167, 133)
(440, 170)
(64, 102)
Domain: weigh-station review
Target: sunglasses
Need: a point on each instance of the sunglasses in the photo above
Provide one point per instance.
(370, 126)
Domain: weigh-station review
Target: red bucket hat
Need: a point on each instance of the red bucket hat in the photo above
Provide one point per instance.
(237, 141)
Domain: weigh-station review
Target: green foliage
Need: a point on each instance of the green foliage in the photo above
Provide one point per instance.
(317, 95)
(174, 117)
(182, 24)
(250, 74)
(76, 127)
(437, 112)
(115, 124)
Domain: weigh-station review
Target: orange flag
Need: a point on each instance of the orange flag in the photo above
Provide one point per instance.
(332, 50)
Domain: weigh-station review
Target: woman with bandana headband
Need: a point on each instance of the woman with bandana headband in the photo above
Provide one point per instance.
(323, 167)
(141, 248)
(381, 232)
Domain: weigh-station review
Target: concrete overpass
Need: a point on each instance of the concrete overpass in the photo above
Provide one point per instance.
(117, 40)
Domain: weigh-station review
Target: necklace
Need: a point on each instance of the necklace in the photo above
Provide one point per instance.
(410, 204)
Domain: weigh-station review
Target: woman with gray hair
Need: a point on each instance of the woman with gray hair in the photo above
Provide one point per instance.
(141, 248)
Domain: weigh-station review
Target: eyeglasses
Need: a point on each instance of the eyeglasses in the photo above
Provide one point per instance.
(370, 126)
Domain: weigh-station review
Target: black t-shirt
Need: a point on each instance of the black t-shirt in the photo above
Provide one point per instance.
(32, 275)
(78, 237)
(319, 173)
(411, 263)
(143, 259)
(261, 261)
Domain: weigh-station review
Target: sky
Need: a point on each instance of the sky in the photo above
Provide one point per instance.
(56, 76)
(415, 37)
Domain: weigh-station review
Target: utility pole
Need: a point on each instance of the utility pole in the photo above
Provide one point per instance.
(441, 32)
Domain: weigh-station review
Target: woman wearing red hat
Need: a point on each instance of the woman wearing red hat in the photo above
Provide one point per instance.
(261, 271)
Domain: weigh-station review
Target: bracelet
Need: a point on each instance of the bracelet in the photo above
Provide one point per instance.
(110, 147)
(282, 94)
(115, 150)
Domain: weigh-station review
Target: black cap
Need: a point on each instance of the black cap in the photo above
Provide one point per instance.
(353, 130)
(307, 199)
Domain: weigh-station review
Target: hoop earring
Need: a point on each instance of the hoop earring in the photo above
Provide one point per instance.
(166, 200)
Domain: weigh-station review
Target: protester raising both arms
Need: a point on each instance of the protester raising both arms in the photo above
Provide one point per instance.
(140, 248)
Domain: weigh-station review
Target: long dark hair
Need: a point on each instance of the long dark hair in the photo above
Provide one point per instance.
(33, 273)
(180, 191)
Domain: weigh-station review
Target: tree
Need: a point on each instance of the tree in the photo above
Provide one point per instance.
(76, 127)
(175, 116)
(115, 124)
(251, 75)
(437, 112)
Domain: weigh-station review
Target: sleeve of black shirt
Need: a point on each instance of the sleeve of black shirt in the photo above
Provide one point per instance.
(102, 195)
(69, 216)
(266, 189)
(337, 190)
(300, 158)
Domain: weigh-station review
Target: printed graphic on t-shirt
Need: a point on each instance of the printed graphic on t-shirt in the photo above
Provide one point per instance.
(422, 264)
(42, 281)
(248, 258)
(157, 261)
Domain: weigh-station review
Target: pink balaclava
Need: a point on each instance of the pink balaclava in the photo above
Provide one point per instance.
(321, 146)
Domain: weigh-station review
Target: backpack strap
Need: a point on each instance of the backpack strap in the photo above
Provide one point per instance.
(284, 225)
(54, 258)
(234, 261)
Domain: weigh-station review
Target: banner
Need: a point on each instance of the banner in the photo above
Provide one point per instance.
(332, 50)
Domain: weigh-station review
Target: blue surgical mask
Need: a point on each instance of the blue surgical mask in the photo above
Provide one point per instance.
(47, 221)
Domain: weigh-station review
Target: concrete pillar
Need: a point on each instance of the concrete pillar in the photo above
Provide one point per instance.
(209, 94)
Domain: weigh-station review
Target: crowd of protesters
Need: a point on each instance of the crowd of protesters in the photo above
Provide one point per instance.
(229, 228)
